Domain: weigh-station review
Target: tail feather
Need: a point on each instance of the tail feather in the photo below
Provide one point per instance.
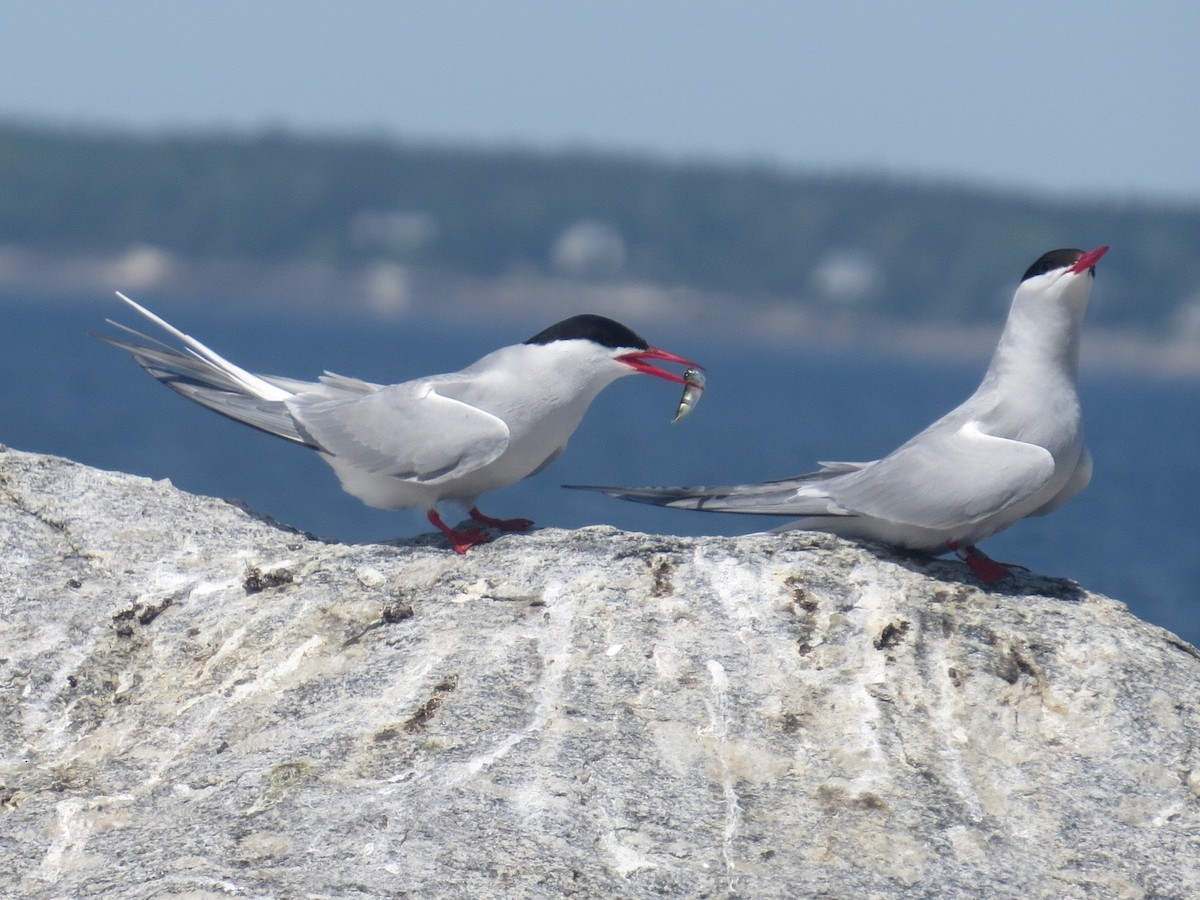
(655, 496)
(162, 361)
(769, 499)
(203, 376)
(248, 381)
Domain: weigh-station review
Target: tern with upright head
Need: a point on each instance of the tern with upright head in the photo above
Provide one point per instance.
(1013, 449)
(441, 438)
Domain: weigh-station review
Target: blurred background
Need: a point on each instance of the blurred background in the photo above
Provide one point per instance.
(828, 206)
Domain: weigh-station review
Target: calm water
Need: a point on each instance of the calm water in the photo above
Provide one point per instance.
(767, 413)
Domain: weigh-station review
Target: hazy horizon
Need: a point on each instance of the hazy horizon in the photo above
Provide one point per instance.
(1076, 100)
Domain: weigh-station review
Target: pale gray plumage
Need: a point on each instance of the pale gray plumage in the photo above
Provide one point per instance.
(443, 437)
(1013, 449)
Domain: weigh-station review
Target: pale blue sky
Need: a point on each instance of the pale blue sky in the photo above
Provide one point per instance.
(1072, 97)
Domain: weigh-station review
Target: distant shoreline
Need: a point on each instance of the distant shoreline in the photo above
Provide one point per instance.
(388, 291)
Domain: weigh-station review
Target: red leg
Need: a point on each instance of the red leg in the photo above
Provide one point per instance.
(986, 569)
(502, 524)
(462, 541)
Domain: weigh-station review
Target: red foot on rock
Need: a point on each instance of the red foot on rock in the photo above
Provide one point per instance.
(502, 524)
(986, 569)
(461, 541)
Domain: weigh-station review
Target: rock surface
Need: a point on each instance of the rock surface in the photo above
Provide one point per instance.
(199, 703)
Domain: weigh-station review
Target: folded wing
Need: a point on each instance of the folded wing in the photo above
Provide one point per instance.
(943, 479)
(408, 431)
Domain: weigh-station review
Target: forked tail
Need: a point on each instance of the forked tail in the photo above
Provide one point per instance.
(206, 377)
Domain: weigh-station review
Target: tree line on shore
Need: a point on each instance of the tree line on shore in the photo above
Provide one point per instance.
(916, 250)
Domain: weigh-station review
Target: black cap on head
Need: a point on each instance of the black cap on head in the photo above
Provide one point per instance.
(1055, 259)
(589, 327)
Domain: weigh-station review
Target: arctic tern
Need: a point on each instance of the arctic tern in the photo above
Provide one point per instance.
(1013, 449)
(441, 438)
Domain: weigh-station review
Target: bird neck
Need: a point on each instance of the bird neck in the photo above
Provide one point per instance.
(1040, 341)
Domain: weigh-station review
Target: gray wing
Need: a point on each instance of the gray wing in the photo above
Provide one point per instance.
(945, 477)
(408, 431)
(1080, 476)
(770, 498)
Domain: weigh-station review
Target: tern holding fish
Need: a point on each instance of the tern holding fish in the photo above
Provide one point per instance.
(449, 437)
(1013, 449)
(693, 388)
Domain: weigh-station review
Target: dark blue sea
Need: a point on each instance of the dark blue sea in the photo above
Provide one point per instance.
(768, 412)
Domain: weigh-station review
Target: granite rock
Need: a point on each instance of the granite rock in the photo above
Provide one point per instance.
(197, 702)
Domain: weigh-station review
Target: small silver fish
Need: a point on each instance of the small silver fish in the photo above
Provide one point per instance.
(693, 388)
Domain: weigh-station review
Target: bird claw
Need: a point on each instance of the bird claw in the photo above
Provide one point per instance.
(461, 541)
(502, 524)
(986, 569)
(464, 540)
